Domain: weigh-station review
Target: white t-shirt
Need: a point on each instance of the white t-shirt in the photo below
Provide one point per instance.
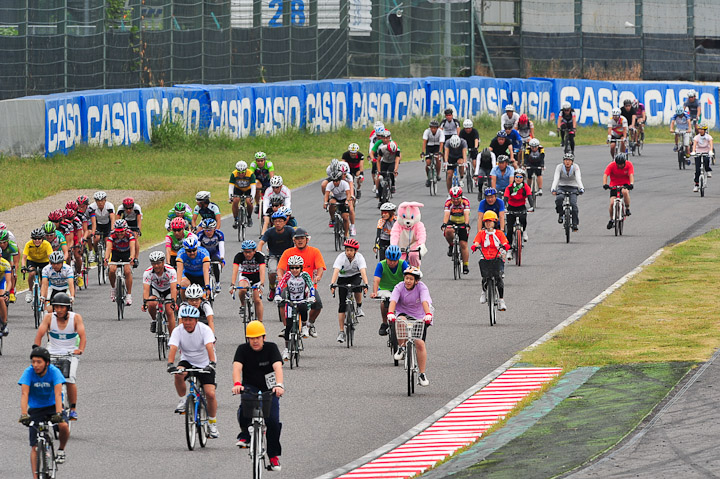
(338, 192)
(192, 345)
(703, 143)
(348, 268)
(102, 217)
(436, 139)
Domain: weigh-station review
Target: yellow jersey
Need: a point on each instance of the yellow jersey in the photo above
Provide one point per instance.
(38, 254)
(5, 268)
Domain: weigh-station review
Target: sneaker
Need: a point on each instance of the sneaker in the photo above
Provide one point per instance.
(374, 190)
(80, 281)
(501, 305)
(12, 297)
(274, 464)
(212, 430)
(331, 224)
(28, 296)
(610, 225)
(271, 294)
(91, 257)
(709, 173)
(352, 230)
(383, 329)
(483, 298)
(282, 333)
(304, 331)
(450, 251)
(60, 456)
(423, 380)
(466, 269)
(560, 218)
(360, 313)
(531, 209)
(427, 183)
(4, 331)
(675, 148)
(128, 300)
(218, 288)
(242, 442)
(180, 409)
(627, 211)
(73, 416)
(249, 221)
(341, 337)
(112, 295)
(400, 354)
(574, 228)
(286, 354)
(539, 192)
(392, 190)
(696, 188)
(525, 236)
(235, 224)
(312, 331)
(509, 255)
(153, 326)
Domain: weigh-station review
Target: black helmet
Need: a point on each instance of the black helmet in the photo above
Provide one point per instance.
(61, 299)
(40, 352)
(620, 159)
(301, 233)
(448, 111)
(627, 102)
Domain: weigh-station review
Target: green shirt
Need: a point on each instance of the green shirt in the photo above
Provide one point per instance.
(390, 278)
(10, 251)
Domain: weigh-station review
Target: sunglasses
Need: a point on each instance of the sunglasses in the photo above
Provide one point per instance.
(519, 176)
(178, 229)
(191, 251)
(295, 267)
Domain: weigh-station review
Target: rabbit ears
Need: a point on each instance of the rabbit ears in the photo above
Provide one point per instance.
(410, 204)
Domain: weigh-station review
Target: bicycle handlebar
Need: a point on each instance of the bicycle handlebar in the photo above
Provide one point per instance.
(190, 370)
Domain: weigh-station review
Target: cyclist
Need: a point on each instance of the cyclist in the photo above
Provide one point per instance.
(57, 278)
(180, 210)
(494, 204)
(679, 124)
(411, 299)
(41, 386)
(525, 127)
(702, 143)
(389, 163)
(501, 146)
(456, 150)
(692, 104)
(56, 238)
(61, 227)
(630, 114)
(291, 221)
(205, 209)
(132, 213)
(510, 116)
(349, 268)
(483, 167)
(617, 129)
(3, 227)
(355, 161)
(515, 140)
(277, 190)
(250, 265)
(619, 173)
(5, 281)
(159, 282)
(567, 124)
(377, 137)
(263, 169)
(193, 264)
(102, 217)
(384, 227)
(432, 144)
(516, 195)
(567, 180)
(501, 174)
(278, 239)
(388, 273)
(296, 284)
(491, 241)
(194, 296)
(121, 247)
(472, 138)
(71, 210)
(344, 170)
(640, 118)
(457, 212)
(535, 162)
(242, 183)
(196, 343)
(313, 265)
(213, 241)
(449, 125)
(66, 335)
(174, 240)
(36, 253)
(11, 254)
(84, 214)
(337, 193)
(257, 366)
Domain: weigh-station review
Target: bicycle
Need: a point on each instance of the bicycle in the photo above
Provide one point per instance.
(384, 297)
(247, 306)
(456, 180)
(482, 182)
(294, 337)
(120, 288)
(683, 152)
(410, 329)
(517, 233)
(456, 253)
(618, 216)
(84, 271)
(161, 326)
(256, 407)
(37, 305)
(101, 267)
(350, 309)
(384, 188)
(338, 228)
(242, 219)
(617, 143)
(566, 132)
(490, 270)
(532, 172)
(567, 212)
(45, 460)
(703, 177)
(196, 416)
(432, 175)
(63, 363)
(638, 145)
(469, 181)
(215, 266)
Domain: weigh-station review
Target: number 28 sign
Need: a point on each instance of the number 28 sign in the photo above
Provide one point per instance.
(273, 13)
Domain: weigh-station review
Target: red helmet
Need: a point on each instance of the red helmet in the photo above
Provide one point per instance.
(83, 200)
(68, 213)
(523, 119)
(71, 205)
(56, 215)
(128, 202)
(3, 226)
(351, 243)
(456, 192)
(177, 224)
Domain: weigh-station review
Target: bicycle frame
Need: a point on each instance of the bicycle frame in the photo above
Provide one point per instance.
(242, 215)
(45, 461)
(618, 210)
(350, 310)
(383, 296)
(257, 405)
(247, 306)
(410, 330)
(432, 171)
(294, 337)
(196, 416)
(161, 325)
(120, 289)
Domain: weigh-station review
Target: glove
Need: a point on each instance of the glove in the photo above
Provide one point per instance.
(222, 260)
(136, 263)
(391, 317)
(210, 367)
(57, 418)
(443, 226)
(139, 233)
(24, 420)
(606, 187)
(428, 318)
(473, 248)
(24, 269)
(609, 138)
(311, 299)
(171, 368)
(207, 287)
(581, 191)
(630, 187)
(278, 299)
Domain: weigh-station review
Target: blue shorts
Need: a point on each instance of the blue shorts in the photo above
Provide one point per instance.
(2, 283)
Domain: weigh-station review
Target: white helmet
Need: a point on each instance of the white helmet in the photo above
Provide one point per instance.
(276, 181)
(454, 141)
(692, 93)
(241, 166)
(534, 142)
(467, 123)
(100, 195)
(510, 107)
(520, 171)
(202, 196)
(379, 125)
(566, 105)
(353, 148)
(616, 112)
(194, 291)
(156, 256)
(296, 261)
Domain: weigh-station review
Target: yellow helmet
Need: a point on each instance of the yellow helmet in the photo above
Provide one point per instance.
(490, 215)
(255, 329)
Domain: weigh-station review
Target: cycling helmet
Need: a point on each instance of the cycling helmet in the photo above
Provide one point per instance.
(69, 213)
(679, 110)
(260, 155)
(279, 214)
(392, 146)
(534, 143)
(353, 148)
(413, 270)
(276, 181)
(523, 119)
(56, 215)
(566, 105)
(456, 192)
(156, 256)
(296, 261)
(3, 226)
(635, 103)
(188, 311)
(379, 124)
(177, 224)
(100, 195)
(4, 235)
(190, 243)
(388, 207)
(510, 107)
(503, 158)
(61, 299)
(71, 205)
(179, 207)
(393, 252)
(467, 123)
(704, 125)
(37, 233)
(286, 210)
(490, 191)
(627, 102)
(255, 329)
(301, 233)
(620, 159)
(448, 111)
(248, 244)
(241, 166)
(276, 200)
(344, 169)
(351, 243)
(49, 228)
(454, 141)
(40, 352)
(501, 134)
(336, 176)
(490, 216)
(616, 112)
(202, 196)
(57, 257)
(386, 134)
(194, 291)
(334, 163)
(379, 131)
(128, 203)
(208, 224)
(434, 124)
(83, 200)
(508, 125)
(569, 156)
(121, 225)
(692, 94)
(520, 172)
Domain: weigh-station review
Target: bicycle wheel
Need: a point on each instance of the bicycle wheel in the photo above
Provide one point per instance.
(567, 219)
(1, 344)
(518, 243)
(469, 180)
(298, 347)
(701, 184)
(190, 433)
(257, 453)
(491, 300)
(617, 218)
(37, 311)
(293, 347)
(409, 368)
(681, 158)
(120, 296)
(211, 294)
(160, 335)
(201, 425)
(392, 344)
(456, 260)
(50, 459)
(349, 317)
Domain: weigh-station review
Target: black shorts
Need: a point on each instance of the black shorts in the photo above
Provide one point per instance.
(40, 414)
(103, 229)
(374, 167)
(203, 378)
(613, 191)
(342, 206)
(54, 292)
(461, 232)
(238, 192)
(194, 279)
(38, 266)
(160, 294)
(533, 170)
(355, 170)
(432, 149)
(120, 256)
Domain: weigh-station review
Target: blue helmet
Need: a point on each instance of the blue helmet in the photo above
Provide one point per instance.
(279, 214)
(393, 252)
(248, 244)
(191, 242)
(490, 191)
(501, 134)
(188, 311)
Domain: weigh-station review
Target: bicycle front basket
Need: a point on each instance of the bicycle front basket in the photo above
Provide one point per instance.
(250, 402)
(406, 328)
(490, 267)
(63, 365)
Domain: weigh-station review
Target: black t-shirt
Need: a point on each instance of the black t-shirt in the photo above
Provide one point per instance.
(250, 268)
(567, 115)
(279, 242)
(353, 162)
(628, 114)
(469, 137)
(500, 149)
(258, 365)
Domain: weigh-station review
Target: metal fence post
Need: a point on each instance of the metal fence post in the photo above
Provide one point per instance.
(691, 34)
(579, 33)
(639, 32)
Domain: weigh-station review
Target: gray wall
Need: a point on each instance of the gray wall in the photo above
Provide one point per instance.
(22, 127)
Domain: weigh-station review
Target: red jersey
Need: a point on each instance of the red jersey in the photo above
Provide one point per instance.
(120, 244)
(619, 177)
(457, 212)
(515, 196)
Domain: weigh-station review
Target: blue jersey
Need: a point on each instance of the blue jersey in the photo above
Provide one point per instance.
(503, 180)
(193, 266)
(42, 388)
(682, 122)
(211, 244)
(497, 207)
(516, 140)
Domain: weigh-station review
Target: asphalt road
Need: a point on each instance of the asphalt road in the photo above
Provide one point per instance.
(341, 404)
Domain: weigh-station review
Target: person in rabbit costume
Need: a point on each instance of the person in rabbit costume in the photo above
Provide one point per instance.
(409, 232)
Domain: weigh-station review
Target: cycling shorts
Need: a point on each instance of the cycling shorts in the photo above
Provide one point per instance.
(103, 229)
(432, 149)
(461, 232)
(54, 292)
(533, 170)
(195, 279)
(160, 294)
(120, 256)
(342, 206)
(41, 414)
(38, 266)
(202, 378)
(613, 191)
(356, 171)
(250, 278)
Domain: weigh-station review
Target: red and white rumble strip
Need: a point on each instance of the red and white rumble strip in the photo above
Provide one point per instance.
(461, 426)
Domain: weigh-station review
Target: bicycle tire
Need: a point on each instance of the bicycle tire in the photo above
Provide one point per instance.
(339, 226)
(37, 313)
(1, 344)
(257, 453)
(491, 300)
(518, 243)
(534, 190)
(393, 344)
(40, 460)
(51, 461)
(456, 260)
(159, 335)
(190, 433)
(348, 326)
(211, 293)
(469, 180)
(567, 220)
(297, 354)
(119, 297)
(616, 218)
(409, 369)
(701, 183)
(293, 347)
(202, 425)
(681, 158)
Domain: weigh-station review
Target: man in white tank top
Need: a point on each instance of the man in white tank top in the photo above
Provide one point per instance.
(66, 332)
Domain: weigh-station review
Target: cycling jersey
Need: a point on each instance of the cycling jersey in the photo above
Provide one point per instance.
(389, 277)
(628, 114)
(385, 228)
(525, 129)
(161, 282)
(66, 227)
(693, 108)
(175, 244)
(262, 174)
(485, 163)
(339, 191)
(386, 156)
(5, 268)
(11, 236)
(515, 194)
(298, 287)
(119, 244)
(619, 176)
(470, 137)
(349, 268)
(193, 266)
(249, 268)
(449, 127)
(703, 143)
(354, 163)
(207, 212)
(515, 139)
(436, 139)
(278, 242)
(102, 216)
(640, 111)
(497, 207)
(58, 279)
(130, 215)
(57, 242)
(38, 254)
(187, 216)
(565, 177)
(42, 388)
(62, 341)
(10, 251)
(457, 212)
(502, 178)
(455, 154)
(504, 118)
(499, 149)
(617, 127)
(409, 302)
(242, 182)
(682, 122)
(566, 117)
(284, 193)
(215, 244)
(535, 158)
